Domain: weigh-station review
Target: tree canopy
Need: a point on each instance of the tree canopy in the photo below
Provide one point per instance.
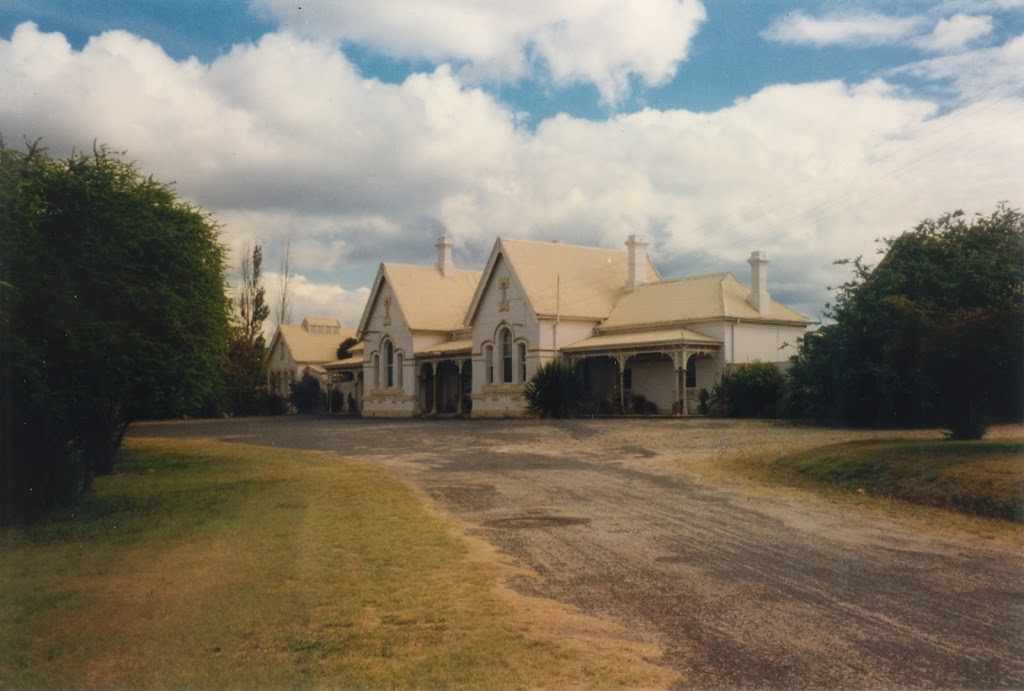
(116, 311)
(932, 335)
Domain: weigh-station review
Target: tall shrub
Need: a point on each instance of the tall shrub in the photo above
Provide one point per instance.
(116, 312)
(754, 389)
(932, 335)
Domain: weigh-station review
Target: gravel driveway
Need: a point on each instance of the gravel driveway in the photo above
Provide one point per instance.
(739, 590)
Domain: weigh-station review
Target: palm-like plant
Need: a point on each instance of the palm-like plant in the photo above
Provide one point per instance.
(555, 391)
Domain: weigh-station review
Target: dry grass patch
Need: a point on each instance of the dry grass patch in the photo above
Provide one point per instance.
(213, 565)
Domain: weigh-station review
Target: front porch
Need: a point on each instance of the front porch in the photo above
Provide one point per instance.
(650, 373)
(444, 379)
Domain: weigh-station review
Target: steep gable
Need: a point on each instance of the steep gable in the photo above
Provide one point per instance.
(429, 300)
(570, 281)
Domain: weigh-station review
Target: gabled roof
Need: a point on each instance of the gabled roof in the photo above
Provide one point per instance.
(571, 281)
(310, 348)
(699, 298)
(427, 300)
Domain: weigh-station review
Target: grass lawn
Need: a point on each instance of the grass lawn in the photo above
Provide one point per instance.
(983, 478)
(214, 565)
(975, 488)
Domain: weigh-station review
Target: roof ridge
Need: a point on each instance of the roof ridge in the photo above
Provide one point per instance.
(679, 279)
(407, 265)
(559, 243)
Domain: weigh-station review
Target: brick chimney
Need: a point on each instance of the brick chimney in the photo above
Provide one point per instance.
(759, 299)
(444, 256)
(637, 270)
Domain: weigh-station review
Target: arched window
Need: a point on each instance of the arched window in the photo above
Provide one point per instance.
(506, 356)
(376, 370)
(399, 362)
(389, 365)
(522, 362)
(489, 363)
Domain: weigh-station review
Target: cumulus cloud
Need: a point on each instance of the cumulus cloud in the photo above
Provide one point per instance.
(285, 139)
(956, 33)
(983, 75)
(867, 29)
(602, 42)
(942, 29)
(311, 298)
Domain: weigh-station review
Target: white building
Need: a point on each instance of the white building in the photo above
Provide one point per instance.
(296, 349)
(437, 340)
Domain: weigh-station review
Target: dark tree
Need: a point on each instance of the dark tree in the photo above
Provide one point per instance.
(253, 309)
(244, 370)
(933, 335)
(306, 395)
(344, 350)
(117, 313)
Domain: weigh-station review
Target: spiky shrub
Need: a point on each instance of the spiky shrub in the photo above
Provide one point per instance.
(555, 391)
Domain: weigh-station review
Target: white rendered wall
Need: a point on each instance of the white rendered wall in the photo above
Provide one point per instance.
(656, 381)
(379, 400)
(763, 342)
(497, 398)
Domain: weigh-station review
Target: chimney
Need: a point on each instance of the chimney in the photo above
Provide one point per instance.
(444, 256)
(637, 276)
(759, 282)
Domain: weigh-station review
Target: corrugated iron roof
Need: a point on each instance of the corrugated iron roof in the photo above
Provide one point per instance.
(699, 298)
(428, 300)
(312, 348)
(641, 338)
(570, 280)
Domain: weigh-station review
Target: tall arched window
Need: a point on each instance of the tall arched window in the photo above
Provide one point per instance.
(522, 362)
(506, 356)
(489, 363)
(376, 370)
(389, 365)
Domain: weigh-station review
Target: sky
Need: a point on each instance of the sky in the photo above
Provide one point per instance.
(360, 131)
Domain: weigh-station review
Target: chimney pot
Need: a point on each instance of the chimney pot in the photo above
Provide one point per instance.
(444, 256)
(759, 298)
(637, 270)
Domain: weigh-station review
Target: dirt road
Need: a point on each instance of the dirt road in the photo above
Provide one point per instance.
(740, 590)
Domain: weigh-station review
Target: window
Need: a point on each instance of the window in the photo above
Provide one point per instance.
(389, 365)
(399, 361)
(522, 362)
(691, 372)
(506, 356)
(489, 360)
(376, 369)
